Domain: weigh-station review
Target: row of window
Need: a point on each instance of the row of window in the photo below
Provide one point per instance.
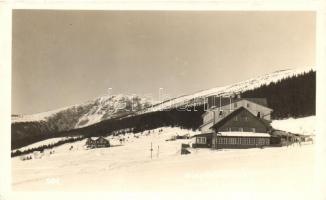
(236, 118)
(235, 141)
(243, 141)
(97, 142)
(240, 129)
(201, 140)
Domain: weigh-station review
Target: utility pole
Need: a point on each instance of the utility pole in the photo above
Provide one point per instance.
(220, 102)
(160, 91)
(151, 150)
(109, 91)
(158, 150)
(230, 103)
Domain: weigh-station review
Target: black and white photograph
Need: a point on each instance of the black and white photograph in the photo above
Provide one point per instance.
(164, 101)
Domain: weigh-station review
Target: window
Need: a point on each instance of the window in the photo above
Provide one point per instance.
(241, 129)
(229, 129)
(201, 140)
(233, 140)
(248, 105)
(218, 140)
(235, 105)
(262, 141)
(258, 114)
(240, 140)
(246, 141)
(236, 118)
(221, 113)
(266, 142)
(253, 130)
(252, 141)
(223, 140)
(246, 118)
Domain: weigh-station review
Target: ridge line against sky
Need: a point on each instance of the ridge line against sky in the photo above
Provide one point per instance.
(65, 58)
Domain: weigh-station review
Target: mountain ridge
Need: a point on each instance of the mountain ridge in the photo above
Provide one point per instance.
(95, 119)
(98, 109)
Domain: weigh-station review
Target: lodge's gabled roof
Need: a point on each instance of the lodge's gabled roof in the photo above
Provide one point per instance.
(202, 135)
(204, 124)
(214, 104)
(235, 112)
(226, 101)
(97, 138)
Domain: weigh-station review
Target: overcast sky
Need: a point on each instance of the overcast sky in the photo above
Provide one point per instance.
(61, 58)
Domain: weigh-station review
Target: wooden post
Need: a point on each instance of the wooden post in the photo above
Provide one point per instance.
(287, 140)
(151, 150)
(220, 102)
(230, 104)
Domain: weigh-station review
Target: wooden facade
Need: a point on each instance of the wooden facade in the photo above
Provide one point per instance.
(243, 121)
(233, 142)
(203, 140)
(216, 141)
(257, 106)
(239, 129)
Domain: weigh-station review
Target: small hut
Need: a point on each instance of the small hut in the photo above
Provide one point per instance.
(99, 142)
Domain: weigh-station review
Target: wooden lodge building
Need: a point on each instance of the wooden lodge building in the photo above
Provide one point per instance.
(243, 123)
(97, 143)
(218, 108)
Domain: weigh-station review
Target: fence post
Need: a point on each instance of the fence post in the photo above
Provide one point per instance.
(151, 150)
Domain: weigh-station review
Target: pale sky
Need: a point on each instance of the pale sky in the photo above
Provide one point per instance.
(62, 58)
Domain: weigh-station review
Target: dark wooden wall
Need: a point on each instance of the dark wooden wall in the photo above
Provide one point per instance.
(247, 126)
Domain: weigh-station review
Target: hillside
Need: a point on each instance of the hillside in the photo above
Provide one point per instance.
(91, 112)
(303, 126)
(94, 118)
(291, 97)
(236, 88)
(119, 168)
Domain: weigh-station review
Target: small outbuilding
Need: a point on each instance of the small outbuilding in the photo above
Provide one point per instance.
(99, 142)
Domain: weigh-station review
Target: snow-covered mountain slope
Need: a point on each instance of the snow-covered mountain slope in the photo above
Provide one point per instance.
(228, 90)
(304, 126)
(112, 106)
(121, 167)
(167, 133)
(44, 143)
(91, 112)
(106, 107)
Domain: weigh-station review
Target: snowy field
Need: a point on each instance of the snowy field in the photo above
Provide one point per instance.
(304, 125)
(129, 167)
(50, 141)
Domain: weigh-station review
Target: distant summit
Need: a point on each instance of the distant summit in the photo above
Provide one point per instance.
(116, 106)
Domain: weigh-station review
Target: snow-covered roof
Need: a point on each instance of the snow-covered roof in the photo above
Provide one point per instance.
(226, 101)
(244, 134)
